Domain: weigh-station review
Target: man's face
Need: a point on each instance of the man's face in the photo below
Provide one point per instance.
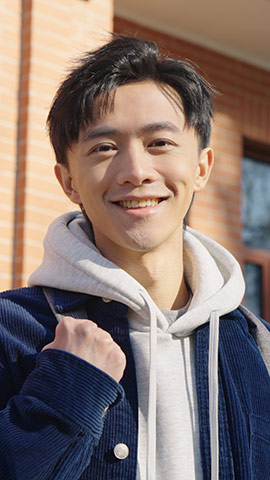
(135, 170)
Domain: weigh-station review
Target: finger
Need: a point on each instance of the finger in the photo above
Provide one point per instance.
(76, 321)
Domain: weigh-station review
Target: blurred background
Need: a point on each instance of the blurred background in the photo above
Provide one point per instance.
(230, 43)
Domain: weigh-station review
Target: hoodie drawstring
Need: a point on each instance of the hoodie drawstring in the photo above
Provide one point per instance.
(152, 397)
(213, 393)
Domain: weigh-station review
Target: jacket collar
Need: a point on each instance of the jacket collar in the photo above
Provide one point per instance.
(65, 301)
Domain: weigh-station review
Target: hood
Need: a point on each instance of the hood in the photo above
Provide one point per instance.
(72, 262)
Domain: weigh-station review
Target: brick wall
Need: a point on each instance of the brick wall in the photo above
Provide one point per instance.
(9, 82)
(243, 109)
(37, 40)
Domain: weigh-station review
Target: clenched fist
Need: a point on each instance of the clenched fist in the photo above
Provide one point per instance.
(89, 342)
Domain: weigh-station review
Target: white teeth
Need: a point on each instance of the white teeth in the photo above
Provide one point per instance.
(141, 203)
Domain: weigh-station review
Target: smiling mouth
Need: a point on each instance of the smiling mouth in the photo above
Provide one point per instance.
(149, 202)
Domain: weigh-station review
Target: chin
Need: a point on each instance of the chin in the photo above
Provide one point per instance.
(142, 243)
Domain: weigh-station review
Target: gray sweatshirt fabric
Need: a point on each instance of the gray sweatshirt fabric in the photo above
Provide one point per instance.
(162, 342)
(177, 428)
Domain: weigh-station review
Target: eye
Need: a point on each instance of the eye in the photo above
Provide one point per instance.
(103, 148)
(161, 142)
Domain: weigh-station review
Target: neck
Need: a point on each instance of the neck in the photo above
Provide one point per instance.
(160, 272)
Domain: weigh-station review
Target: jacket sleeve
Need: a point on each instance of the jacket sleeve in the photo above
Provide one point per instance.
(49, 429)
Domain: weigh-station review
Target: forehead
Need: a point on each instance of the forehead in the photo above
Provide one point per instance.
(132, 103)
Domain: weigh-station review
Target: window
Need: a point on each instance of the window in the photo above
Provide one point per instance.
(256, 226)
(254, 287)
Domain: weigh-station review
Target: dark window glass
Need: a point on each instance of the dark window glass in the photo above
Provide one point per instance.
(256, 203)
(253, 296)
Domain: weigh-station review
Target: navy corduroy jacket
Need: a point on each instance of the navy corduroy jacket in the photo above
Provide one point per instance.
(53, 423)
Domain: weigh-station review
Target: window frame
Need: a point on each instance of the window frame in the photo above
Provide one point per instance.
(262, 259)
(261, 152)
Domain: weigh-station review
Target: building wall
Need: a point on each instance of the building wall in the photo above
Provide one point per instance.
(37, 40)
(242, 110)
(9, 81)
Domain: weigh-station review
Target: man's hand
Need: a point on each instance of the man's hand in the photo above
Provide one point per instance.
(89, 342)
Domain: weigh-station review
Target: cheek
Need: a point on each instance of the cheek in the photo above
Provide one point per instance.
(93, 190)
(88, 181)
(182, 177)
(98, 176)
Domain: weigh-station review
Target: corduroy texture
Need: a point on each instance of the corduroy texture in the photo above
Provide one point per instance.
(52, 383)
(244, 386)
(41, 439)
(53, 402)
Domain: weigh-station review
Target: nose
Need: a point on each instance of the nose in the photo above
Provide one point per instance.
(135, 167)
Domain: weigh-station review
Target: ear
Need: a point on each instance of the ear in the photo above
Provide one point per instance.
(64, 177)
(204, 167)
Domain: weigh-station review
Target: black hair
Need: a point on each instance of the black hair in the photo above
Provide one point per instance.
(89, 89)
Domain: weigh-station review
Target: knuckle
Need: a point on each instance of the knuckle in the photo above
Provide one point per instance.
(85, 328)
(65, 321)
(117, 355)
(63, 327)
(102, 337)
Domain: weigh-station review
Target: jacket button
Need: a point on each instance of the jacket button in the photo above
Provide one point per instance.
(121, 451)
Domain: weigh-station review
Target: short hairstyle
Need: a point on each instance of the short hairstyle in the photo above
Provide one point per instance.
(89, 89)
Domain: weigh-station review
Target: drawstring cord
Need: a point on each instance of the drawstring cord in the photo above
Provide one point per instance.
(152, 397)
(213, 393)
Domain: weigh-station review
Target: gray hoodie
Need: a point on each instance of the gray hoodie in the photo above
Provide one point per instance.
(162, 341)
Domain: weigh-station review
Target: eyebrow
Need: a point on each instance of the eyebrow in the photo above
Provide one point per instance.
(97, 132)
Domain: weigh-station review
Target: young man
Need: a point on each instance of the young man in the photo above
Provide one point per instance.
(128, 357)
